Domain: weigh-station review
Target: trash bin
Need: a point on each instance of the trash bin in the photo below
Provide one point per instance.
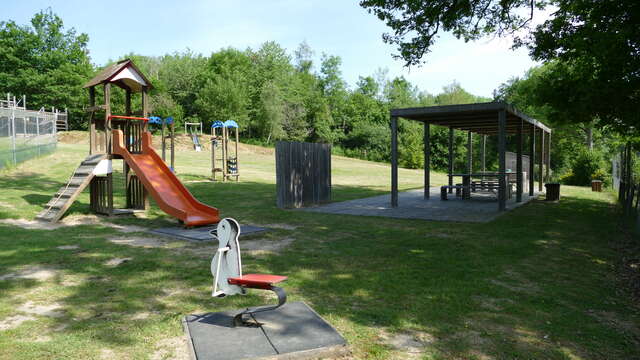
(553, 191)
(596, 185)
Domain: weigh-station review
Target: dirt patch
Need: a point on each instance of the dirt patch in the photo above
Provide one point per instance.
(264, 246)
(73, 137)
(411, 344)
(279, 226)
(49, 310)
(173, 348)
(117, 261)
(31, 272)
(7, 205)
(13, 322)
(68, 247)
(143, 315)
(108, 354)
(73, 220)
(138, 241)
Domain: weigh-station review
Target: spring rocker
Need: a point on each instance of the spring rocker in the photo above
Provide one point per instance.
(226, 268)
(286, 330)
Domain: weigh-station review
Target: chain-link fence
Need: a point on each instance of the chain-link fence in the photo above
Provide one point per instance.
(25, 134)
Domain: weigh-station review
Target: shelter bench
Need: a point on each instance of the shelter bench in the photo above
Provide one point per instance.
(458, 188)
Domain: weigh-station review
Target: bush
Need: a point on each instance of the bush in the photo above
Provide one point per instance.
(584, 167)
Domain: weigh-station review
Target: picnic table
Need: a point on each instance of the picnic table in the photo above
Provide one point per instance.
(466, 180)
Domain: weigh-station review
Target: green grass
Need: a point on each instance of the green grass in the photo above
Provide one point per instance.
(538, 282)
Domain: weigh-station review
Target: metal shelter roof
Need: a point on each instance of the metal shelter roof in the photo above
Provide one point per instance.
(481, 118)
(124, 74)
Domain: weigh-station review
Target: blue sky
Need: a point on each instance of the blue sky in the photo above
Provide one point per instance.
(336, 27)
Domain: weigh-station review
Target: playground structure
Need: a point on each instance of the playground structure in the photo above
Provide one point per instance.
(226, 268)
(194, 130)
(125, 137)
(224, 161)
(168, 140)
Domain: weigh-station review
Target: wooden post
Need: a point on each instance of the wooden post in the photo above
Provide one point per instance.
(469, 152)
(164, 141)
(450, 159)
(483, 154)
(129, 178)
(92, 122)
(541, 161)
(532, 159)
(173, 135)
(237, 161)
(225, 153)
(394, 161)
(427, 160)
(502, 143)
(107, 114)
(145, 113)
(519, 162)
(548, 167)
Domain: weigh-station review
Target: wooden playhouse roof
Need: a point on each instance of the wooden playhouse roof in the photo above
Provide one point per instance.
(124, 74)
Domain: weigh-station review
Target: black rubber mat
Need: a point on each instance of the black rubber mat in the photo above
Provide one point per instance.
(294, 329)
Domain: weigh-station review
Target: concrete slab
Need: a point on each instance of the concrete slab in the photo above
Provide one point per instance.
(293, 331)
(201, 233)
(482, 207)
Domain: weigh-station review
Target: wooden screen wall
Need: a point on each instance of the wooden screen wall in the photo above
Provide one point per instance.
(303, 174)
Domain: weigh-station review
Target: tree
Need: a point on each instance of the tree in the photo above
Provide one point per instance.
(226, 88)
(46, 63)
(595, 42)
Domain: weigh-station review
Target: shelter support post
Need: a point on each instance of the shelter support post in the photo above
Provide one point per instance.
(502, 143)
(394, 161)
(541, 161)
(469, 152)
(450, 160)
(427, 160)
(532, 159)
(547, 176)
(519, 162)
(483, 153)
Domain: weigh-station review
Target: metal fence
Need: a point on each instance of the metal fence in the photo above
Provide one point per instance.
(25, 134)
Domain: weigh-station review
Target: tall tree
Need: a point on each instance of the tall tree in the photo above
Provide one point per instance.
(46, 63)
(596, 42)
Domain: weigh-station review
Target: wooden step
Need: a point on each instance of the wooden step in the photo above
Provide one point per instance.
(66, 192)
(77, 181)
(85, 169)
(93, 159)
(46, 215)
(56, 203)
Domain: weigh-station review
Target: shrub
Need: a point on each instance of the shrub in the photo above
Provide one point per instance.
(584, 166)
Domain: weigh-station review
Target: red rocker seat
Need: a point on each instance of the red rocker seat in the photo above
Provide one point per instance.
(257, 281)
(262, 282)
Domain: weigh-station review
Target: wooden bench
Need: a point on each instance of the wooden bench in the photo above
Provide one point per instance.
(491, 186)
(458, 187)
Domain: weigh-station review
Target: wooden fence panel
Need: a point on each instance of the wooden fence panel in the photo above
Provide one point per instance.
(303, 174)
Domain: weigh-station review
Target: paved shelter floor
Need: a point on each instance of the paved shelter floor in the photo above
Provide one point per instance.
(482, 207)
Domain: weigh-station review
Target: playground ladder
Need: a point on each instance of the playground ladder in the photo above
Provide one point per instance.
(62, 200)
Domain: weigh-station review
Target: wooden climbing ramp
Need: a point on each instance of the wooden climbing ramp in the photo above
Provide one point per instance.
(62, 200)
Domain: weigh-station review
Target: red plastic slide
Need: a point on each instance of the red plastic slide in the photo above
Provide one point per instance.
(165, 188)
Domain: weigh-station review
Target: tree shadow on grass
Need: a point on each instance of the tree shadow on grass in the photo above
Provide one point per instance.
(404, 275)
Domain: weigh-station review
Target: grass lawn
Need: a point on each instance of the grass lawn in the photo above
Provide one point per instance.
(538, 282)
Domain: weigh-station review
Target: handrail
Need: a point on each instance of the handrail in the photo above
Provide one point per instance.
(128, 117)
